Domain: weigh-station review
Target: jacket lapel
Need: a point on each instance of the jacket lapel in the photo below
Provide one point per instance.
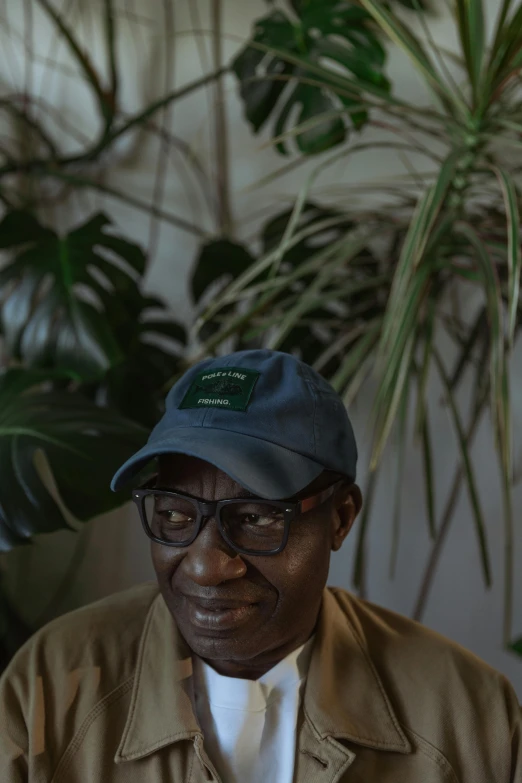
(344, 698)
(162, 703)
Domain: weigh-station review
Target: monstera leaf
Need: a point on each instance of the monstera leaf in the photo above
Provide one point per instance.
(152, 344)
(222, 261)
(53, 293)
(312, 215)
(218, 260)
(83, 445)
(218, 263)
(327, 31)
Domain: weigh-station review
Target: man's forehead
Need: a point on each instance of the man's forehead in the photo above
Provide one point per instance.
(176, 468)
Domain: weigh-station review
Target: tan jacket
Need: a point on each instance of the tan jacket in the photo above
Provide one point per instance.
(104, 695)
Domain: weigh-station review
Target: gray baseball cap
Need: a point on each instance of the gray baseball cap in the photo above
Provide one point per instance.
(264, 417)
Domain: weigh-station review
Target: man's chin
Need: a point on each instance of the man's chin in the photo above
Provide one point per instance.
(211, 645)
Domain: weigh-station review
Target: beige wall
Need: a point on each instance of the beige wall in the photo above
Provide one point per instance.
(117, 553)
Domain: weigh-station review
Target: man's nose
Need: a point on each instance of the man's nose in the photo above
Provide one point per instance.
(209, 560)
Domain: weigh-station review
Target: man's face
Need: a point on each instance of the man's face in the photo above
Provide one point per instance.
(276, 599)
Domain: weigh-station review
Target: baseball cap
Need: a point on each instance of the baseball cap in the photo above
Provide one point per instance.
(264, 417)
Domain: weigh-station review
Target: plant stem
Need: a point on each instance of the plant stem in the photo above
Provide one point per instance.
(140, 118)
(81, 57)
(509, 548)
(447, 517)
(360, 571)
(221, 137)
(126, 197)
(22, 114)
(111, 46)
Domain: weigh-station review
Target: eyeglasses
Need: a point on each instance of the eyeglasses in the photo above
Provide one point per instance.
(250, 526)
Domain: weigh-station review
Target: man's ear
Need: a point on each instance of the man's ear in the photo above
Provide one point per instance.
(347, 507)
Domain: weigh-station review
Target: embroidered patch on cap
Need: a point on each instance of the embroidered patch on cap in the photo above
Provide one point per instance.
(229, 388)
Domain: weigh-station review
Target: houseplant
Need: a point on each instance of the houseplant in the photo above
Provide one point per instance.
(82, 372)
(336, 301)
(463, 229)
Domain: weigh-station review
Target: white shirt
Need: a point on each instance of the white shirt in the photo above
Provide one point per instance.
(249, 726)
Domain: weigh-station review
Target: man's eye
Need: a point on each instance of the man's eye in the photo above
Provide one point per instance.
(255, 520)
(175, 517)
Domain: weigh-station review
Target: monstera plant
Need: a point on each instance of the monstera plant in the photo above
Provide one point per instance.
(82, 377)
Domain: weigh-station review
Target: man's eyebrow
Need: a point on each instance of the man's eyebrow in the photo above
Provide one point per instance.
(243, 493)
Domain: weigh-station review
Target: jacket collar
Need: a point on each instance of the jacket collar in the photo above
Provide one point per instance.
(161, 708)
(344, 696)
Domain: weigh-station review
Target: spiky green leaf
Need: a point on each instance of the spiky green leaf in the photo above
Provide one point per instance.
(472, 32)
(514, 255)
(468, 471)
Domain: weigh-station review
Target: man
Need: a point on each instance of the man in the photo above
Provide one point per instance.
(239, 666)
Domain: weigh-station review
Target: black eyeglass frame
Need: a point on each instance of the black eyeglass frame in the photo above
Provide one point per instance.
(206, 510)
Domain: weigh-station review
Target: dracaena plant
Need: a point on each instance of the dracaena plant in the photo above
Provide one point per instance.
(383, 314)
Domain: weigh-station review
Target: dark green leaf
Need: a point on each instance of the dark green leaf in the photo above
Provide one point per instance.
(274, 77)
(169, 329)
(261, 95)
(219, 260)
(302, 339)
(19, 228)
(312, 214)
(55, 295)
(507, 46)
(318, 136)
(129, 252)
(471, 30)
(83, 444)
(152, 349)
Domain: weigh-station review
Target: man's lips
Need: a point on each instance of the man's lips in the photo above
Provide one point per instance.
(215, 604)
(217, 614)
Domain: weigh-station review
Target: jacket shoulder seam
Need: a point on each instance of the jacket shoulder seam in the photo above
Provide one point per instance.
(89, 719)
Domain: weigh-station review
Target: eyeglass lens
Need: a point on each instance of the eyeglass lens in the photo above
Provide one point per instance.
(250, 525)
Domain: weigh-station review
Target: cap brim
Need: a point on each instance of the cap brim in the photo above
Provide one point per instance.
(264, 468)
